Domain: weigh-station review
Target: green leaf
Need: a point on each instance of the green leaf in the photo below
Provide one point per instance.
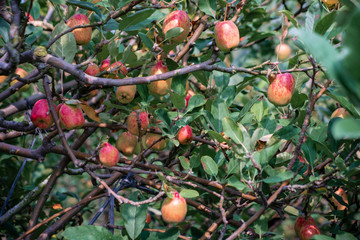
(345, 235)
(163, 115)
(87, 232)
(325, 22)
(135, 18)
(171, 234)
(347, 128)
(111, 25)
(4, 29)
(195, 101)
(322, 237)
(287, 132)
(232, 130)
(174, 32)
(263, 156)
(309, 150)
(291, 210)
(246, 108)
(233, 166)
(279, 177)
(260, 109)
(184, 163)
(221, 79)
(189, 193)
(209, 165)
(235, 182)
(290, 15)
(177, 100)
(208, 7)
(85, 5)
(344, 102)
(178, 84)
(321, 49)
(134, 219)
(66, 45)
(146, 40)
(219, 111)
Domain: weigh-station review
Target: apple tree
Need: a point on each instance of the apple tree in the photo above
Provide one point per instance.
(166, 119)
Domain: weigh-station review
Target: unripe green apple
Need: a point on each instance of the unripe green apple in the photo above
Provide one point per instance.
(185, 135)
(132, 122)
(108, 155)
(159, 88)
(71, 116)
(280, 91)
(125, 94)
(177, 19)
(82, 35)
(40, 114)
(227, 35)
(126, 143)
(174, 209)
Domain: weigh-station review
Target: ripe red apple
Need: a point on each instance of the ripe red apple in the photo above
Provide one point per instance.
(159, 88)
(341, 113)
(71, 116)
(40, 114)
(108, 155)
(148, 218)
(125, 94)
(132, 122)
(117, 69)
(302, 222)
(187, 98)
(280, 91)
(227, 35)
(126, 143)
(92, 69)
(308, 231)
(185, 135)
(343, 195)
(30, 17)
(283, 51)
(174, 209)
(177, 19)
(82, 35)
(151, 138)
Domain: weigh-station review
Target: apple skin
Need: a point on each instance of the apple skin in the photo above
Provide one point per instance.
(187, 98)
(148, 218)
(30, 17)
(302, 222)
(185, 135)
(342, 194)
(308, 231)
(132, 123)
(120, 71)
(92, 69)
(40, 114)
(159, 88)
(125, 94)
(283, 51)
(280, 91)
(22, 73)
(3, 78)
(71, 116)
(177, 19)
(126, 143)
(82, 35)
(108, 155)
(174, 209)
(341, 113)
(227, 35)
(151, 138)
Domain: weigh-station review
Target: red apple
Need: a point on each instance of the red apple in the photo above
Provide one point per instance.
(302, 222)
(280, 91)
(227, 35)
(177, 19)
(308, 231)
(105, 65)
(92, 69)
(283, 51)
(174, 209)
(108, 155)
(185, 135)
(148, 218)
(117, 69)
(82, 35)
(126, 143)
(132, 122)
(22, 73)
(71, 116)
(3, 78)
(30, 17)
(40, 114)
(159, 88)
(187, 98)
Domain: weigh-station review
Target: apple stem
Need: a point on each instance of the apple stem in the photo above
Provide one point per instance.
(277, 66)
